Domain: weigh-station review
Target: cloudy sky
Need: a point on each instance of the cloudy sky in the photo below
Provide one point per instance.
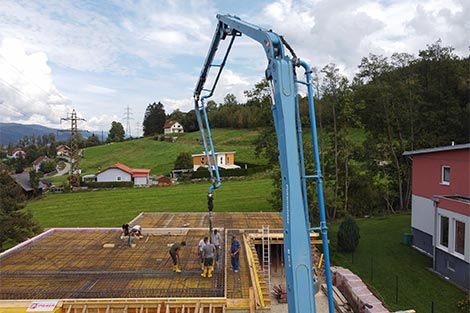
(104, 56)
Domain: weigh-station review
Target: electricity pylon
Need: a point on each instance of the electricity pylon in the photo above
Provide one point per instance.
(74, 176)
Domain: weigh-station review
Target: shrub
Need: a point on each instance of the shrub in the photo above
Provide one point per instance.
(348, 235)
(464, 304)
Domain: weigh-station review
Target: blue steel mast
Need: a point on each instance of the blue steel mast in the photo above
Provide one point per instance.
(285, 109)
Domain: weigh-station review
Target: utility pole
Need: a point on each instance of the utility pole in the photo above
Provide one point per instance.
(75, 157)
(128, 118)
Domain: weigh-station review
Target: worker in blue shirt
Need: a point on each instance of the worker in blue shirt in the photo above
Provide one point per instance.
(235, 254)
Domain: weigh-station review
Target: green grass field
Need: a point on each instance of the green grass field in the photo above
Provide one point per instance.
(160, 156)
(381, 258)
(111, 208)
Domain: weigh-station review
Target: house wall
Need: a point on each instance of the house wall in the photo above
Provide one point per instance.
(423, 241)
(427, 173)
(112, 174)
(422, 214)
(141, 180)
(201, 160)
(461, 273)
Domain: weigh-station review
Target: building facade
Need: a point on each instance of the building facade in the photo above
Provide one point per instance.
(120, 172)
(225, 160)
(440, 211)
(173, 128)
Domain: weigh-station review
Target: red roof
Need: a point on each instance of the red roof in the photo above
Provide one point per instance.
(140, 172)
(136, 172)
(39, 160)
(169, 124)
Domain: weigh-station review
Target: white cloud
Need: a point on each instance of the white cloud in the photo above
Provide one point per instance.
(27, 92)
(99, 90)
(184, 105)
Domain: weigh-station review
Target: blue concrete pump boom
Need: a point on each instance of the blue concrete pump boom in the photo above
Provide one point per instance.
(282, 76)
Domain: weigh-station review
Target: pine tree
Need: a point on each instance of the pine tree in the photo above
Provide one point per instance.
(154, 119)
(348, 235)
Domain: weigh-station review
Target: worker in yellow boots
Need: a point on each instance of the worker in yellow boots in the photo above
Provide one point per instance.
(208, 252)
(201, 245)
(175, 255)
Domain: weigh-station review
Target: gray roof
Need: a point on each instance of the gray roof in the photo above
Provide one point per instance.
(438, 149)
(22, 179)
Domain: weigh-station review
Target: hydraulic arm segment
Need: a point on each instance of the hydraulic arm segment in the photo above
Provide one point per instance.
(281, 73)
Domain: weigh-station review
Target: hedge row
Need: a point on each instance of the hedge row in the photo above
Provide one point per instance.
(110, 184)
(203, 172)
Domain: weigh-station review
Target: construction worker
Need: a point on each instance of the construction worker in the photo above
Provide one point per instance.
(216, 241)
(199, 251)
(175, 255)
(235, 254)
(125, 230)
(136, 231)
(208, 252)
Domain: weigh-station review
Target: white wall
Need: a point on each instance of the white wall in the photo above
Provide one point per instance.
(112, 175)
(140, 181)
(422, 214)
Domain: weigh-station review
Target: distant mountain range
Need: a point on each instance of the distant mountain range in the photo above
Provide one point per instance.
(13, 132)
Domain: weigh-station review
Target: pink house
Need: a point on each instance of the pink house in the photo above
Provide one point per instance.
(440, 211)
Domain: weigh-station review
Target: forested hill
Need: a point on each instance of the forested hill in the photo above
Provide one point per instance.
(401, 103)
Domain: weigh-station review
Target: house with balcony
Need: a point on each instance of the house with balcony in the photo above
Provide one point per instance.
(440, 212)
(225, 160)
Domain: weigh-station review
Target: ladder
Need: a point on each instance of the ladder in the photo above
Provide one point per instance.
(266, 247)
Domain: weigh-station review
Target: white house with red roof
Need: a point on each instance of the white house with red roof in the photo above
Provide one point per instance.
(17, 153)
(173, 128)
(121, 172)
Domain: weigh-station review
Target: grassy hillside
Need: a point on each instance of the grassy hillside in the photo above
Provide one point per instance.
(108, 208)
(160, 156)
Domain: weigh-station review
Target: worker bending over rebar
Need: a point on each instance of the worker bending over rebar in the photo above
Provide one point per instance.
(175, 255)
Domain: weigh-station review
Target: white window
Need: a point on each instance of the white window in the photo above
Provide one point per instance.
(460, 237)
(203, 160)
(445, 178)
(444, 231)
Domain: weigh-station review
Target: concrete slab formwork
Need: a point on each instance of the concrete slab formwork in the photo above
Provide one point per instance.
(93, 270)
